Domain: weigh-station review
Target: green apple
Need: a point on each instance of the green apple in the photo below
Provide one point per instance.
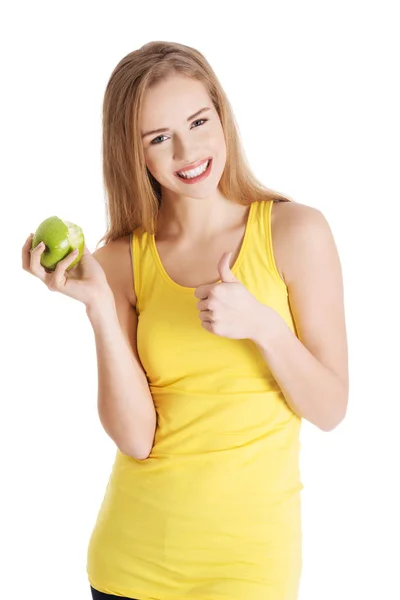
(60, 238)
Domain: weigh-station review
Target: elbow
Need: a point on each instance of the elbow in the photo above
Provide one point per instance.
(136, 453)
(141, 448)
(143, 453)
(140, 455)
(139, 451)
(326, 427)
(337, 413)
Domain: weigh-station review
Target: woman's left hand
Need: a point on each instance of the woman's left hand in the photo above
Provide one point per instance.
(228, 309)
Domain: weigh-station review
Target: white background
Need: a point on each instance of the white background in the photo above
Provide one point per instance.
(313, 88)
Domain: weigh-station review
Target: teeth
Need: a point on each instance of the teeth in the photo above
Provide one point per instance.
(194, 172)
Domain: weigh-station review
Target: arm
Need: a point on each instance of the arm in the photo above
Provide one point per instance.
(125, 405)
(311, 390)
(311, 370)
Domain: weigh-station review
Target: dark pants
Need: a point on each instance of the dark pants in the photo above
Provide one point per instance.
(101, 596)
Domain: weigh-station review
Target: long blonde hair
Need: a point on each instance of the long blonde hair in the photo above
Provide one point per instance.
(133, 196)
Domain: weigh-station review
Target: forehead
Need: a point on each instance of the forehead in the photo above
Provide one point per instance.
(173, 98)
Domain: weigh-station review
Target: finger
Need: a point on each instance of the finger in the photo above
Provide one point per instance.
(59, 273)
(203, 291)
(206, 316)
(36, 267)
(202, 305)
(26, 255)
(29, 239)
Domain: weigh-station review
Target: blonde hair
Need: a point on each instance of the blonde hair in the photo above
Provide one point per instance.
(133, 196)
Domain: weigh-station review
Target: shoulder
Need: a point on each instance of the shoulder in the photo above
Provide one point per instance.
(296, 228)
(313, 274)
(116, 261)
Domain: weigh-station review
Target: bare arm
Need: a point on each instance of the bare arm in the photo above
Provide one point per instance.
(311, 369)
(125, 405)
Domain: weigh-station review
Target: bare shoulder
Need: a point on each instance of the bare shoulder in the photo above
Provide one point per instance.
(292, 223)
(115, 259)
(313, 274)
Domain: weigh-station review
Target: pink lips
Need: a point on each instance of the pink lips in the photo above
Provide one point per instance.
(200, 177)
(193, 165)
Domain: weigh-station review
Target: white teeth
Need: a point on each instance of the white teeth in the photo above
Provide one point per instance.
(194, 172)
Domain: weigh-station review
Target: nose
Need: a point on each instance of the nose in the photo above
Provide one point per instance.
(185, 151)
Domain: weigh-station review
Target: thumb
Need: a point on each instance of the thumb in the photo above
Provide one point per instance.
(224, 270)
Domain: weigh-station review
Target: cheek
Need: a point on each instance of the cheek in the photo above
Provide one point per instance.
(221, 140)
(222, 150)
(148, 161)
(151, 170)
(157, 166)
(151, 165)
(155, 157)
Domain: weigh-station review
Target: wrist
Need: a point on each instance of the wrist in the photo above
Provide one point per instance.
(267, 326)
(101, 303)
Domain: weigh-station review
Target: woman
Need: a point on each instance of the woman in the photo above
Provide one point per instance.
(218, 315)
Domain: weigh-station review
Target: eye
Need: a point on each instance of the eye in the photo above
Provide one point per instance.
(154, 142)
(199, 120)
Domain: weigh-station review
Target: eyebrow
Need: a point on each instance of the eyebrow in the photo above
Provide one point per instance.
(162, 129)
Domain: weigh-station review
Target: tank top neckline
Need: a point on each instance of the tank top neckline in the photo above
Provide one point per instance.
(234, 268)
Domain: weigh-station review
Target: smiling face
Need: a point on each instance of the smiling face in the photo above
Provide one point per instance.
(187, 137)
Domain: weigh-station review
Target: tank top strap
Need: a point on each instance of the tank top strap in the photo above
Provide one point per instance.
(260, 246)
(255, 266)
(139, 249)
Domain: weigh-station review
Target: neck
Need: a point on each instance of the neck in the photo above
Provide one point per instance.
(198, 218)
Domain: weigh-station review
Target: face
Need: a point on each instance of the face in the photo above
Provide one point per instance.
(185, 141)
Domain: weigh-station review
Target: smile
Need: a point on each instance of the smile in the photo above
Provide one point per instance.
(195, 175)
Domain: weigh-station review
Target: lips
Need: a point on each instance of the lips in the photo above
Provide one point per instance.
(194, 165)
(192, 180)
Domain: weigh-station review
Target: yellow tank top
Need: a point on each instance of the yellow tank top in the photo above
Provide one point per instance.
(214, 513)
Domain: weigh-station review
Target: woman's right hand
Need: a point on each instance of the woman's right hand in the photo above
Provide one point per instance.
(86, 281)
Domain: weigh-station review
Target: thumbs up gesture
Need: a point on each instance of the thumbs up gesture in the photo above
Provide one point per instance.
(227, 308)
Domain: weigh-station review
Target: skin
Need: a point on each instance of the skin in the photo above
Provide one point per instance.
(191, 215)
(195, 213)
